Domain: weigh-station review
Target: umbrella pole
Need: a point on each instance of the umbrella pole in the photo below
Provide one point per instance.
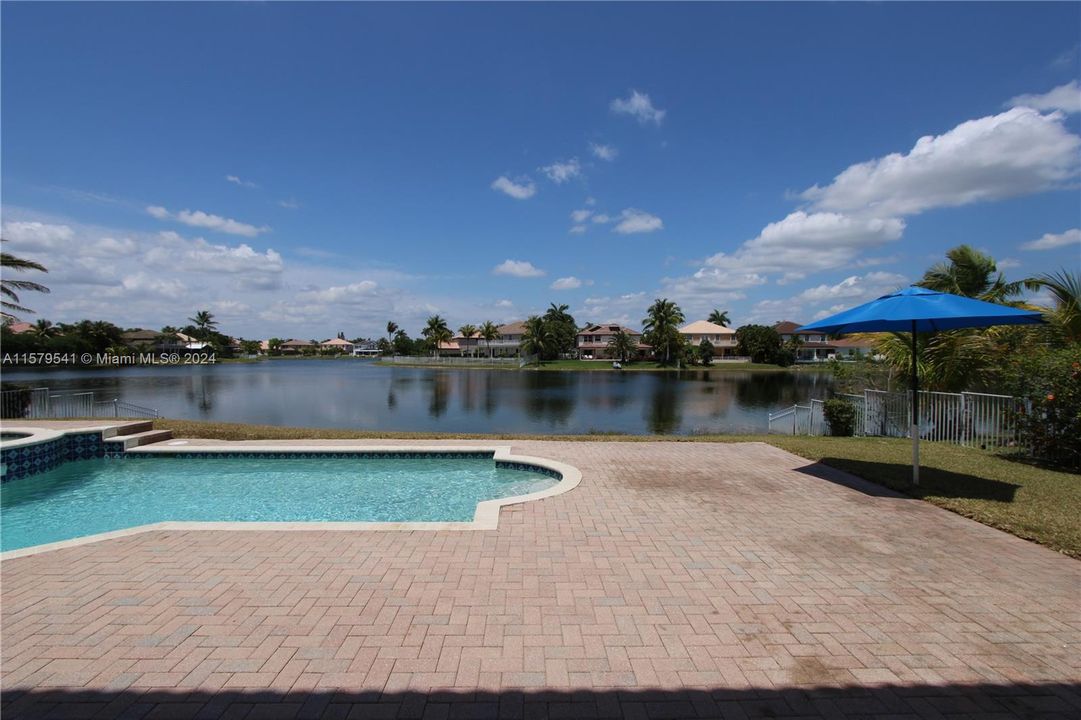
(915, 431)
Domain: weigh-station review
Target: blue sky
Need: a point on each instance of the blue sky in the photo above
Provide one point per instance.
(303, 169)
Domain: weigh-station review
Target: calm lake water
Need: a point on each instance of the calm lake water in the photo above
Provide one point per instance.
(359, 394)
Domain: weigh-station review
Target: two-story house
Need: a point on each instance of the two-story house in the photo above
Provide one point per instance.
(818, 347)
(592, 340)
(721, 338)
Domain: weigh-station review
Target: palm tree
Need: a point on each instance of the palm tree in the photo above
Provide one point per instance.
(535, 338)
(622, 345)
(974, 274)
(489, 332)
(662, 327)
(562, 329)
(10, 289)
(436, 332)
(274, 346)
(205, 323)
(467, 331)
(392, 327)
(1065, 288)
(44, 329)
(719, 317)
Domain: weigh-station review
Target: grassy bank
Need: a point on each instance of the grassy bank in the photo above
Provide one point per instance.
(1030, 502)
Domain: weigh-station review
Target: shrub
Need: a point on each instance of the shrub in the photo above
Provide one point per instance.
(840, 415)
(1048, 382)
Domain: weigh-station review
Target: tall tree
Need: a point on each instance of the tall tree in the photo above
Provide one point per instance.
(204, 323)
(622, 346)
(761, 343)
(1065, 288)
(535, 338)
(392, 327)
(719, 317)
(10, 289)
(44, 329)
(561, 329)
(489, 332)
(467, 331)
(436, 332)
(661, 327)
(971, 273)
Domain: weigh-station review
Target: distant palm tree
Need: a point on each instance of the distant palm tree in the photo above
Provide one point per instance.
(622, 346)
(44, 329)
(436, 332)
(719, 317)
(274, 345)
(535, 339)
(489, 332)
(1065, 287)
(468, 331)
(392, 327)
(9, 288)
(205, 323)
(662, 327)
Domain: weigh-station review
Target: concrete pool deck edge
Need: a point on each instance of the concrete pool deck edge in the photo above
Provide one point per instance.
(485, 517)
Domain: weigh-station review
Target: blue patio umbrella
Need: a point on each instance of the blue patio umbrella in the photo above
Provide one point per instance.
(919, 310)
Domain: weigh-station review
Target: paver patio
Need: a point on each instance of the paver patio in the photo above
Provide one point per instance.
(678, 580)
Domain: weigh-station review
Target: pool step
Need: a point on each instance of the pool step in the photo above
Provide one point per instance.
(138, 439)
(133, 428)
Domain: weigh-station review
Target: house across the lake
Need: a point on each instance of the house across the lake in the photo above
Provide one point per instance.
(818, 347)
(722, 339)
(337, 345)
(592, 341)
(157, 341)
(366, 348)
(294, 346)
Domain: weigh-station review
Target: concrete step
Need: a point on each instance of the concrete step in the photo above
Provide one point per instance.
(133, 428)
(140, 438)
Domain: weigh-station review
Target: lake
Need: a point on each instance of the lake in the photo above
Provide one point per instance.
(362, 395)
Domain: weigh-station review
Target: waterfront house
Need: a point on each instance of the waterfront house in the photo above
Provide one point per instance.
(722, 338)
(294, 346)
(818, 347)
(337, 345)
(156, 341)
(19, 327)
(592, 340)
(507, 343)
(366, 348)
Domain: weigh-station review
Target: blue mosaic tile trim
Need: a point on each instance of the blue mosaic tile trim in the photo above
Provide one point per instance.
(355, 455)
(527, 467)
(41, 457)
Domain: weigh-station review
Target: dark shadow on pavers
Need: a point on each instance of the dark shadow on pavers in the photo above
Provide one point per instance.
(1052, 701)
(894, 480)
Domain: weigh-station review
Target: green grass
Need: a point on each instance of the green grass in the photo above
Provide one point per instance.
(1034, 503)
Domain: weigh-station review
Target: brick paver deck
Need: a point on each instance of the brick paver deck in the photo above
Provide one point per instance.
(678, 580)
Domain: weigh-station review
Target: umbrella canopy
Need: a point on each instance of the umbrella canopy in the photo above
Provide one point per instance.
(930, 310)
(915, 310)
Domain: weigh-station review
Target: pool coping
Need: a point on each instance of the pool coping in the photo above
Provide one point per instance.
(485, 517)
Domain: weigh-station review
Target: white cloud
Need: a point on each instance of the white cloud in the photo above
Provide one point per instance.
(568, 283)
(242, 183)
(604, 152)
(357, 292)
(562, 171)
(591, 201)
(637, 221)
(504, 303)
(1055, 240)
(577, 229)
(1066, 98)
(517, 268)
(826, 299)
(580, 216)
(601, 218)
(1007, 263)
(520, 190)
(36, 235)
(1015, 153)
(200, 219)
(639, 106)
(627, 309)
(290, 204)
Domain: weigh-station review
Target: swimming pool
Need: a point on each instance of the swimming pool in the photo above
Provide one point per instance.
(86, 497)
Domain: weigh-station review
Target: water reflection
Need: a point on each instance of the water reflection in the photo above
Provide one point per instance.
(363, 395)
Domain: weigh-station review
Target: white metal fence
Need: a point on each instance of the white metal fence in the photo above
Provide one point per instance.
(42, 404)
(970, 419)
(451, 360)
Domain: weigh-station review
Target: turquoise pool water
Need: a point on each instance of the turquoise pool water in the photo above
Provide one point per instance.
(92, 496)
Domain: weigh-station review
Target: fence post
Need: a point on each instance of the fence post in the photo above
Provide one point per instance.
(116, 408)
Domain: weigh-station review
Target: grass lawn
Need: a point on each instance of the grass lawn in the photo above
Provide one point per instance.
(1031, 502)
